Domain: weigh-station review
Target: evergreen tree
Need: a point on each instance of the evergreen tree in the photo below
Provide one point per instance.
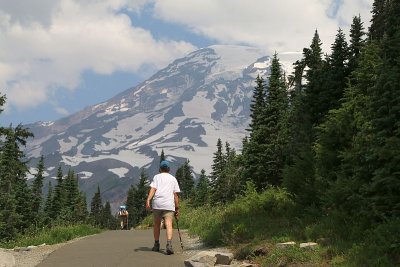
(253, 150)
(378, 21)
(184, 176)
(133, 215)
(274, 128)
(298, 173)
(80, 210)
(37, 188)
(58, 199)
(48, 204)
(385, 111)
(217, 166)
(357, 42)
(258, 104)
(108, 221)
(140, 196)
(162, 157)
(15, 207)
(96, 207)
(231, 183)
(71, 194)
(313, 76)
(201, 196)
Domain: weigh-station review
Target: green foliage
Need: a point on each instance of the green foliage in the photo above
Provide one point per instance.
(136, 199)
(184, 176)
(96, 207)
(202, 190)
(292, 255)
(55, 235)
(381, 246)
(253, 215)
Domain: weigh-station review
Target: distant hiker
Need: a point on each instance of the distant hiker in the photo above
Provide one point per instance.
(123, 215)
(164, 191)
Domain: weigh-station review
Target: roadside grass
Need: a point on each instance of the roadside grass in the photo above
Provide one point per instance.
(55, 235)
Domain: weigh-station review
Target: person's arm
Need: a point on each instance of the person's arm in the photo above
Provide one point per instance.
(149, 197)
(176, 199)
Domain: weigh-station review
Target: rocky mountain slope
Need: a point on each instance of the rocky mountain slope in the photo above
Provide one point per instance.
(182, 109)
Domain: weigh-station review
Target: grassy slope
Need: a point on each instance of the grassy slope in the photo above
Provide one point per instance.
(254, 223)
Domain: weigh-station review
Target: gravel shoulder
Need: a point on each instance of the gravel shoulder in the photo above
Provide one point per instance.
(35, 255)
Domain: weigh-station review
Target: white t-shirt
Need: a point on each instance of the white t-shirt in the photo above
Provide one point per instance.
(166, 185)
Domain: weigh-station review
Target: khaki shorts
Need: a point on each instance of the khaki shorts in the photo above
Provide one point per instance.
(163, 213)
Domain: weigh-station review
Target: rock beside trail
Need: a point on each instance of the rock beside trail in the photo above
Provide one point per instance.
(6, 259)
(285, 245)
(308, 245)
(214, 258)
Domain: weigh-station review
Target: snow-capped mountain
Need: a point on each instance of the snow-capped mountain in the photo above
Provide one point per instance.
(182, 109)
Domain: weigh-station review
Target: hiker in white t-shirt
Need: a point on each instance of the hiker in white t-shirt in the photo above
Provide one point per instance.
(164, 191)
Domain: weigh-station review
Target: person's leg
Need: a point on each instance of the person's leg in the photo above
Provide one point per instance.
(168, 225)
(122, 223)
(168, 219)
(156, 229)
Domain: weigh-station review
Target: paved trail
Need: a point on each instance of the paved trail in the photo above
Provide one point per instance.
(116, 249)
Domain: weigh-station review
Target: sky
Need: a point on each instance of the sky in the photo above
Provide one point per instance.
(60, 56)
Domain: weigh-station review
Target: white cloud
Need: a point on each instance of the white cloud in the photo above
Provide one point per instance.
(47, 44)
(61, 110)
(285, 25)
(38, 56)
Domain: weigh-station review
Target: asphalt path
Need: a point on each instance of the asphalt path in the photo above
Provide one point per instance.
(116, 248)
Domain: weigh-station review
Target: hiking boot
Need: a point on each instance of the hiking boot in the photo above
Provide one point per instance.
(156, 247)
(169, 249)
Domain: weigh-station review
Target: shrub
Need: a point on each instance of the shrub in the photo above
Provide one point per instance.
(381, 246)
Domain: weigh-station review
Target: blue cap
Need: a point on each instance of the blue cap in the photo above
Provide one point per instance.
(164, 164)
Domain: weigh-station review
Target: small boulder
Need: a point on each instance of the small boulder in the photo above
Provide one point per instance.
(261, 251)
(286, 244)
(224, 258)
(201, 259)
(20, 249)
(309, 245)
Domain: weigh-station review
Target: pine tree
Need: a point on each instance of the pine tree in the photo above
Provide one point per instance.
(357, 42)
(133, 215)
(298, 173)
(71, 193)
(108, 221)
(184, 176)
(378, 21)
(140, 196)
(231, 183)
(80, 210)
(217, 166)
(258, 104)
(202, 190)
(96, 207)
(37, 188)
(162, 157)
(313, 76)
(274, 119)
(59, 193)
(385, 111)
(15, 207)
(48, 204)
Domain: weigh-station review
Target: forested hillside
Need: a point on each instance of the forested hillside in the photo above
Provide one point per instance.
(328, 140)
